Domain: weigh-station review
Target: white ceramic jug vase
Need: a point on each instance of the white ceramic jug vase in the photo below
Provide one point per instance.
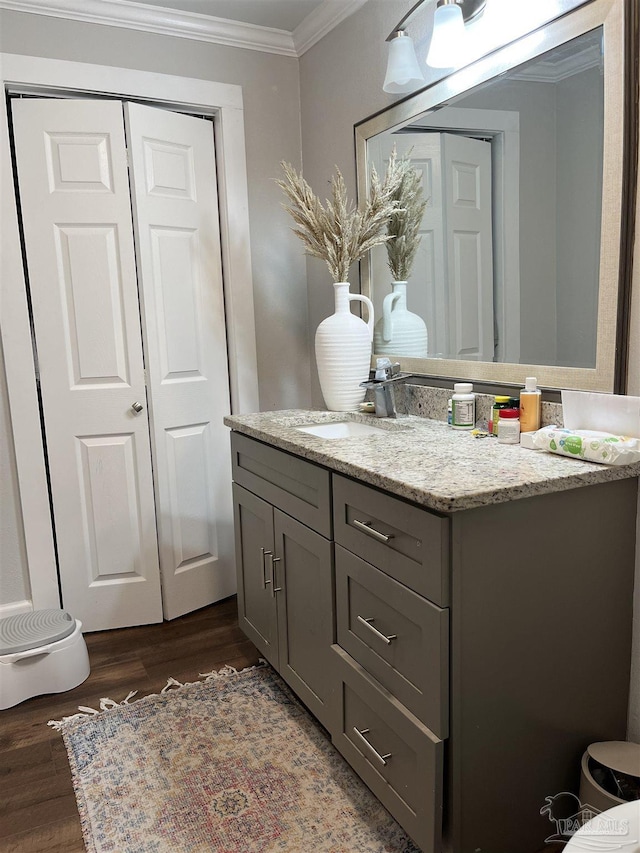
(400, 331)
(343, 352)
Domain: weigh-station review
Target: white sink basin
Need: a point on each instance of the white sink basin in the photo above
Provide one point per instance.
(341, 429)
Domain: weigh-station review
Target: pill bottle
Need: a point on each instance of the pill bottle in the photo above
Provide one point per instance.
(530, 405)
(509, 426)
(500, 402)
(463, 406)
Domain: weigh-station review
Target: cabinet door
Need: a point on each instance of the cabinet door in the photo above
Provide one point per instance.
(303, 578)
(254, 551)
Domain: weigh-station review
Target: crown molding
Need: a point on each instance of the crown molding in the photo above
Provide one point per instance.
(162, 21)
(322, 20)
(550, 71)
(191, 25)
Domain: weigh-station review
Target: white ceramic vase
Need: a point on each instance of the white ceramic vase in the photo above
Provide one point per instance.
(343, 352)
(400, 331)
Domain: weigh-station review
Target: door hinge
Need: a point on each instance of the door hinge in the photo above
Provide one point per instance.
(144, 377)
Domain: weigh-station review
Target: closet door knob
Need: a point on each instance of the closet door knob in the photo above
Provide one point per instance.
(137, 407)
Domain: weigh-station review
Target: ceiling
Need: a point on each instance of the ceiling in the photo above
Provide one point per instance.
(278, 14)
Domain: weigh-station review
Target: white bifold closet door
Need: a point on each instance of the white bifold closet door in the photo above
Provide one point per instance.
(140, 492)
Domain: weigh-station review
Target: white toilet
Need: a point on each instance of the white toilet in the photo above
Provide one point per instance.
(40, 652)
(615, 830)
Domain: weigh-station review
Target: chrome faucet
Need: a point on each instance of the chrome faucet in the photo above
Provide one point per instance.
(384, 399)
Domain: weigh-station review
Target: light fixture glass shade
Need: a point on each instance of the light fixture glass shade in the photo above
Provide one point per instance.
(403, 72)
(447, 41)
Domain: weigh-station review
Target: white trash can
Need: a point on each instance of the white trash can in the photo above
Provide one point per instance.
(40, 652)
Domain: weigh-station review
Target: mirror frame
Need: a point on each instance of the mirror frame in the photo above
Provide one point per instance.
(619, 21)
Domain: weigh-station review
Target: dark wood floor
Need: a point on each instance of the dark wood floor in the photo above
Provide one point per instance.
(37, 805)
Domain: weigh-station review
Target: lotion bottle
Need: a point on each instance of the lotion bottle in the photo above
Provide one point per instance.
(530, 405)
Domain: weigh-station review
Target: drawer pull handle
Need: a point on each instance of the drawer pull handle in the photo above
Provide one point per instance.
(385, 639)
(274, 588)
(265, 579)
(366, 527)
(361, 736)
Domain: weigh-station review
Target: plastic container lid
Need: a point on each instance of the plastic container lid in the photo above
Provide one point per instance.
(531, 383)
(463, 387)
(501, 399)
(509, 413)
(621, 756)
(38, 628)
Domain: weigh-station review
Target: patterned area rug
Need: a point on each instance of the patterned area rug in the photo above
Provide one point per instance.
(232, 764)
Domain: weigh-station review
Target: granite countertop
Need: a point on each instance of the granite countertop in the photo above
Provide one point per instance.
(427, 462)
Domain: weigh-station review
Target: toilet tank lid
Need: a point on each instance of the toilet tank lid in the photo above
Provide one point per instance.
(25, 631)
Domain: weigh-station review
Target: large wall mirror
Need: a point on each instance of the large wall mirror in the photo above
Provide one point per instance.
(528, 165)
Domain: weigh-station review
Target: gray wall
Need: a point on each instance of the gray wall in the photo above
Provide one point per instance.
(579, 118)
(14, 581)
(535, 103)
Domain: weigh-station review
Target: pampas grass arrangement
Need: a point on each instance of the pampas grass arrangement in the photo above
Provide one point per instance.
(339, 232)
(404, 222)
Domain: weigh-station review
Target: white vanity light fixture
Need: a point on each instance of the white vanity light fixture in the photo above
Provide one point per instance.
(447, 41)
(403, 71)
(446, 48)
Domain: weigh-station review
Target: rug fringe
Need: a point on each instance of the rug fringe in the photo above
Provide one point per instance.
(226, 671)
(172, 684)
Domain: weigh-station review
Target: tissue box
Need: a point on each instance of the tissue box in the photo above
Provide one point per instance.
(612, 413)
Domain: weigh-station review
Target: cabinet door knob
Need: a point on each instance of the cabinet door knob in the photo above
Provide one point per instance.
(366, 527)
(384, 637)
(361, 737)
(137, 407)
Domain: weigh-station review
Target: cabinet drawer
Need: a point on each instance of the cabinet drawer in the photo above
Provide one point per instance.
(299, 488)
(396, 635)
(397, 757)
(409, 543)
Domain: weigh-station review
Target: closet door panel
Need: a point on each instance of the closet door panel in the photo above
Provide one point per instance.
(76, 213)
(180, 272)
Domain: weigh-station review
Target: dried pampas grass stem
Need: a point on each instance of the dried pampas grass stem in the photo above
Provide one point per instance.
(339, 232)
(404, 222)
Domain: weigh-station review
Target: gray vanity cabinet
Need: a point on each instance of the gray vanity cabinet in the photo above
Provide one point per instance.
(475, 653)
(285, 568)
